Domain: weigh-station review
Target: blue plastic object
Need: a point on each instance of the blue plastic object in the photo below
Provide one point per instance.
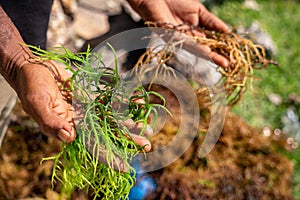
(144, 184)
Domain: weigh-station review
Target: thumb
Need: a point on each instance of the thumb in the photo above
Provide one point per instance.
(55, 125)
(66, 136)
(210, 21)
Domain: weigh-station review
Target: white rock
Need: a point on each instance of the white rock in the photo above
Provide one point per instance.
(251, 4)
(275, 98)
(110, 7)
(89, 24)
(58, 31)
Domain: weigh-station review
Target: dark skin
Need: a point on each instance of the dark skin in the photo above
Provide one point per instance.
(182, 12)
(37, 86)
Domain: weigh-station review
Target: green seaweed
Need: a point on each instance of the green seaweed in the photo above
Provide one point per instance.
(97, 90)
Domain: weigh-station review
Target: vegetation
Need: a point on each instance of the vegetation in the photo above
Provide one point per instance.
(98, 161)
(280, 19)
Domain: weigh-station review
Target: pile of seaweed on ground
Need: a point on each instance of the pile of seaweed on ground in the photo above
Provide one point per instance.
(21, 174)
(243, 164)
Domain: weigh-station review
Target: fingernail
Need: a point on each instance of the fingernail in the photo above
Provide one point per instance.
(225, 63)
(138, 101)
(147, 147)
(64, 135)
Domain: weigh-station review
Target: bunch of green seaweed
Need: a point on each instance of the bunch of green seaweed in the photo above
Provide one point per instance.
(98, 161)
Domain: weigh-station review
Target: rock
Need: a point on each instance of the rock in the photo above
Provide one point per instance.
(261, 37)
(73, 22)
(128, 9)
(89, 24)
(251, 4)
(110, 7)
(291, 123)
(58, 32)
(275, 99)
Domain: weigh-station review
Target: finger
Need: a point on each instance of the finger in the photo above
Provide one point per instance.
(50, 122)
(60, 109)
(138, 100)
(65, 110)
(210, 21)
(129, 123)
(205, 52)
(152, 11)
(219, 59)
(138, 127)
(66, 136)
(215, 57)
(59, 70)
(141, 141)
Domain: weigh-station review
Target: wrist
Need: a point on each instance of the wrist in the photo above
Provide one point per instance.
(13, 54)
(13, 63)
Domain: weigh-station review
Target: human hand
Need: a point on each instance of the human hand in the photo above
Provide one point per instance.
(38, 89)
(135, 128)
(38, 85)
(182, 11)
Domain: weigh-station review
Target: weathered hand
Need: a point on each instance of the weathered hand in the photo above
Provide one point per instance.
(37, 88)
(51, 107)
(134, 127)
(182, 11)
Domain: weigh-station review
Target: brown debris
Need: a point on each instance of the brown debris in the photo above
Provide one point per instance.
(244, 164)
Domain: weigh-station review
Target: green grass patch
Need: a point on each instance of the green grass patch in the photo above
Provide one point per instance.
(281, 20)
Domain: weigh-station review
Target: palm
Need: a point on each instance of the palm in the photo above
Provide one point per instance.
(182, 11)
(43, 101)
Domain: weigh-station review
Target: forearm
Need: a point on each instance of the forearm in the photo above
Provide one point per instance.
(13, 55)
